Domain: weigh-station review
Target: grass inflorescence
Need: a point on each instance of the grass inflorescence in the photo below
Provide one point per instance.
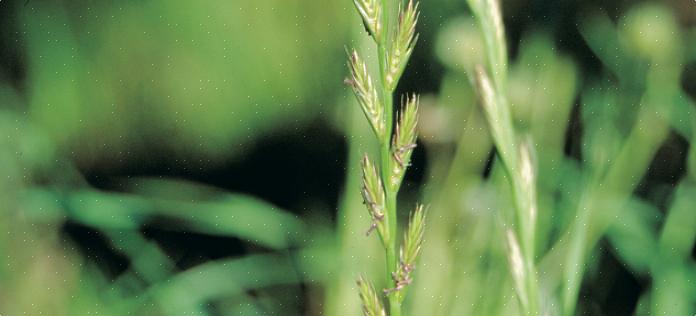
(395, 41)
(515, 151)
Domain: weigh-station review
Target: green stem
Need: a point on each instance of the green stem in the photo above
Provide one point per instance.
(385, 160)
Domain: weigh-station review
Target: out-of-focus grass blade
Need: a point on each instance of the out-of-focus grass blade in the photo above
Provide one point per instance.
(634, 236)
(236, 215)
(95, 295)
(600, 34)
(605, 41)
(251, 218)
(173, 189)
(683, 116)
(602, 135)
(679, 231)
(195, 287)
(246, 305)
(571, 178)
(672, 269)
(602, 37)
(106, 210)
(146, 258)
(672, 292)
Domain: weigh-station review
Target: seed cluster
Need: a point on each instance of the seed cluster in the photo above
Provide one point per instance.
(381, 182)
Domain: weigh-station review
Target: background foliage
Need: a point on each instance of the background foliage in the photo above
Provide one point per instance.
(168, 157)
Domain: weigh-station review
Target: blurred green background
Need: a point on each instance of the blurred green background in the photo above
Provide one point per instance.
(201, 158)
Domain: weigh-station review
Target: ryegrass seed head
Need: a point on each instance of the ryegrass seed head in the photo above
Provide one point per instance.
(371, 13)
(404, 139)
(366, 93)
(373, 196)
(402, 45)
(371, 304)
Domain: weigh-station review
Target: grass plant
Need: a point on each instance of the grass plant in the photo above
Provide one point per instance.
(515, 152)
(395, 41)
(618, 153)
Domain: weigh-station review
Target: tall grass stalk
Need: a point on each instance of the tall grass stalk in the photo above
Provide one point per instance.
(395, 42)
(516, 154)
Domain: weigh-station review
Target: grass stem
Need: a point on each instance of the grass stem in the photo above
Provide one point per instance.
(395, 42)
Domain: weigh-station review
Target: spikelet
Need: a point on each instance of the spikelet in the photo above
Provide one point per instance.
(373, 196)
(404, 140)
(498, 118)
(413, 239)
(371, 304)
(527, 170)
(409, 252)
(366, 93)
(371, 13)
(516, 264)
(402, 44)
